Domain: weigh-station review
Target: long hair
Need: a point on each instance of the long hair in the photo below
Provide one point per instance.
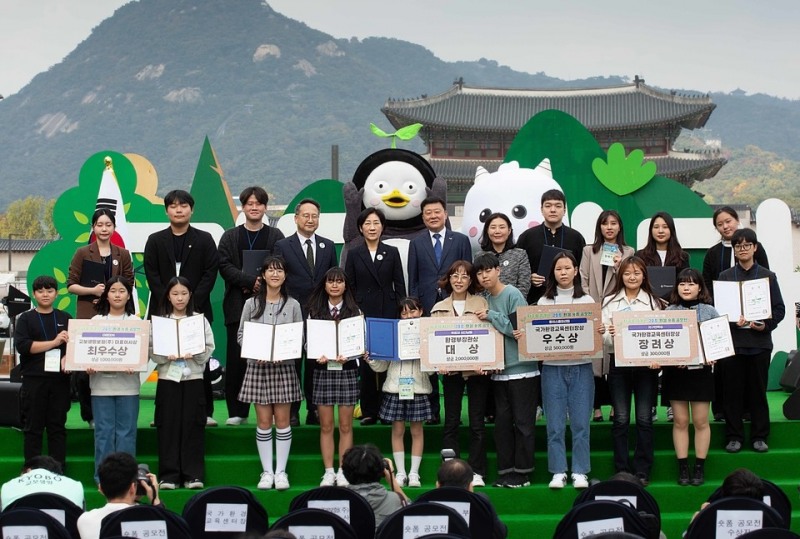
(619, 282)
(551, 286)
(466, 267)
(486, 243)
(675, 254)
(103, 306)
(172, 283)
(690, 275)
(318, 300)
(271, 262)
(599, 240)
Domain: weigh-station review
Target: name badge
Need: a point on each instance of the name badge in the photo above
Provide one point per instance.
(52, 360)
(175, 371)
(406, 388)
(333, 365)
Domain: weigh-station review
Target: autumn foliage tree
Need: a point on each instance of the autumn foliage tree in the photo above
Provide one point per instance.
(29, 218)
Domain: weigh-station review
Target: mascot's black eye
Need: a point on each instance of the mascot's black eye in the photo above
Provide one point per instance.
(519, 212)
(484, 215)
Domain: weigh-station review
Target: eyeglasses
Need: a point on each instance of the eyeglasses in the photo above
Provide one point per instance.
(309, 217)
(743, 247)
(459, 277)
(274, 270)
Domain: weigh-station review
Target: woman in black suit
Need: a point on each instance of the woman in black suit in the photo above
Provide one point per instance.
(375, 272)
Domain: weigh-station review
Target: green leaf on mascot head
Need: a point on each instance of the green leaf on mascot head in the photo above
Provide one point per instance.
(404, 133)
(623, 175)
(377, 131)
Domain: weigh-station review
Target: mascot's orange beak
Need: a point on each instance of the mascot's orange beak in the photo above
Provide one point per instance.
(396, 199)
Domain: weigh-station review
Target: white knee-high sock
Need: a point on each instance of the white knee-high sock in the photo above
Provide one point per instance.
(399, 462)
(264, 445)
(415, 462)
(283, 443)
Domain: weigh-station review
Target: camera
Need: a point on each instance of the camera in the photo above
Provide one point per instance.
(141, 475)
(448, 454)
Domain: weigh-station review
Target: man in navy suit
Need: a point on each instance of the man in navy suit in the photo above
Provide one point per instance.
(308, 257)
(430, 254)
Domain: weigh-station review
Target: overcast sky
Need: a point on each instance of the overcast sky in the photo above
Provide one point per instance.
(705, 45)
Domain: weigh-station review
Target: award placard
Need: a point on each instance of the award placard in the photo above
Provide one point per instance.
(664, 337)
(559, 332)
(460, 343)
(107, 345)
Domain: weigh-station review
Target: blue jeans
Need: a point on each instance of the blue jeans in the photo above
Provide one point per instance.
(568, 390)
(642, 384)
(115, 419)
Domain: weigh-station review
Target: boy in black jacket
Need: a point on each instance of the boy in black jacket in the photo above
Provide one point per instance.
(41, 340)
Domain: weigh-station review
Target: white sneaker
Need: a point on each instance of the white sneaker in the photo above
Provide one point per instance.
(166, 485)
(211, 422)
(539, 413)
(579, 480)
(477, 480)
(281, 481)
(401, 479)
(341, 481)
(559, 480)
(413, 480)
(194, 484)
(328, 480)
(234, 421)
(266, 481)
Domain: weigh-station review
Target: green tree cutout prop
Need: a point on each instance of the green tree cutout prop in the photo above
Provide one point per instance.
(404, 133)
(72, 215)
(623, 175)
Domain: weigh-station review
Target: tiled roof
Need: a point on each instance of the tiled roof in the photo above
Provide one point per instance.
(497, 109)
(23, 245)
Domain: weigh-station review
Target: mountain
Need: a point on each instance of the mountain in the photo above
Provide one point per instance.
(271, 93)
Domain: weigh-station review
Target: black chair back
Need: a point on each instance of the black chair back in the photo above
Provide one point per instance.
(742, 513)
(425, 518)
(343, 502)
(24, 522)
(774, 496)
(636, 494)
(145, 520)
(770, 533)
(224, 512)
(476, 511)
(58, 507)
(601, 516)
(308, 523)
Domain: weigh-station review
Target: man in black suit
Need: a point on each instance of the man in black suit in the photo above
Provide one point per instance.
(240, 283)
(181, 249)
(430, 254)
(308, 257)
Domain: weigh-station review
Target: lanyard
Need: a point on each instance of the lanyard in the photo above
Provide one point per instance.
(252, 242)
(55, 325)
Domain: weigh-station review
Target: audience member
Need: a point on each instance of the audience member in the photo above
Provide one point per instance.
(740, 482)
(119, 482)
(363, 467)
(458, 473)
(41, 474)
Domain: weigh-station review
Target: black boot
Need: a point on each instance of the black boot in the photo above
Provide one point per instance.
(683, 472)
(699, 473)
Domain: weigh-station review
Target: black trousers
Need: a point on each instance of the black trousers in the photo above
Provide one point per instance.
(235, 368)
(84, 391)
(433, 398)
(45, 403)
(514, 424)
(370, 390)
(478, 394)
(744, 383)
(181, 423)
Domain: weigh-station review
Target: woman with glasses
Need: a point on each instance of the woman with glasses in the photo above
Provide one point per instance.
(460, 286)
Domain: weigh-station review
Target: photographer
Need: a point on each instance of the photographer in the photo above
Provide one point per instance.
(122, 482)
(363, 467)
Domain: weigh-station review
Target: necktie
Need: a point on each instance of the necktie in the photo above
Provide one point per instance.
(335, 313)
(437, 248)
(310, 256)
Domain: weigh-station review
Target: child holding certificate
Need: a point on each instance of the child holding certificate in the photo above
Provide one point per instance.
(693, 386)
(405, 398)
(271, 386)
(515, 388)
(631, 292)
(180, 415)
(460, 284)
(744, 375)
(115, 395)
(335, 378)
(567, 385)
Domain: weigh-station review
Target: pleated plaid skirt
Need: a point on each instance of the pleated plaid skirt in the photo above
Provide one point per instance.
(335, 387)
(394, 409)
(270, 383)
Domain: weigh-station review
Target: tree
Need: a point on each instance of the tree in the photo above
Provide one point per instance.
(28, 218)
